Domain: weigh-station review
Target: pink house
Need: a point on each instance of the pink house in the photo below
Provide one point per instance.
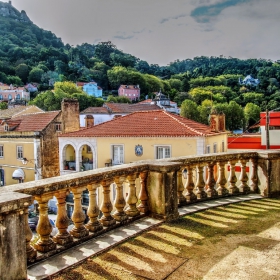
(130, 91)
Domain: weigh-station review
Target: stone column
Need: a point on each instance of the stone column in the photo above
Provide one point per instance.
(162, 190)
(180, 189)
(31, 253)
(13, 242)
(132, 199)
(143, 196)
(200, 193)
(62, 221)
(254, 176)
(78, 217)
(232, 178)
(44, 227)
(211, 192)
(106, 206)
(93, 210)
(119, 203)
(221, 179)
(243, 187)
(189, 186)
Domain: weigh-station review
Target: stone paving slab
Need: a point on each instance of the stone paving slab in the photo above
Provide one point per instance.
(98, 244)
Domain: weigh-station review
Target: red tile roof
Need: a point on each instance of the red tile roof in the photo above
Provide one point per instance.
(95, 110)
(146, 124)
(120, 108)
(31, 122)
(135, 87)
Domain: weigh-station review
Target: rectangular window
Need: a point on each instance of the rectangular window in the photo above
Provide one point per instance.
(58, 127)
(208, 149)
(1, 151)
(163, 152)
(215, 148)
(117, 154)
(19, 152)
(223, 146)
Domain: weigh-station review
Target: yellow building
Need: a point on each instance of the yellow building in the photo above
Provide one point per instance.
(139, 136)
(29, 142)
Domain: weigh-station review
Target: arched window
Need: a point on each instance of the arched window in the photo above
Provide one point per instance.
(10, 97)
(1, 97)
(18, 96)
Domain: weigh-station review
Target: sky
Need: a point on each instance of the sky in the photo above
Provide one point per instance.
(162, 31)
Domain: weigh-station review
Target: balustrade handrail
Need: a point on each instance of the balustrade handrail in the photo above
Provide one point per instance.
(87, 177)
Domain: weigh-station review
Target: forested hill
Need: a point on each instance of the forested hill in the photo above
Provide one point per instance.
(31, 54)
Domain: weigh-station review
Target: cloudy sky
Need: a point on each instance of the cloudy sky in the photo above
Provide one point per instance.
(161, 31)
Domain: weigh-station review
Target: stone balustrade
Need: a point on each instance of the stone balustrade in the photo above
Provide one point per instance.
(164, 185)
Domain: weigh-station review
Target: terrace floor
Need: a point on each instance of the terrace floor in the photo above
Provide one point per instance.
(229, 238)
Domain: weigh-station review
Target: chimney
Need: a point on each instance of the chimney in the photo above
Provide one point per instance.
(217, 122)
(89, 121)
(70, 115)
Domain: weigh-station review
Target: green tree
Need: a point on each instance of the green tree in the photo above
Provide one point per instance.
(35, 75)
(22, 72)
(189, 110)
(252, 114)
(3, 105)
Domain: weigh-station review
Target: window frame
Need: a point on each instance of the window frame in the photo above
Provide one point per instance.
(19, 153)
(58, 127)
(120, 156)
(215, 148)
(164, 147)
(208, 149)
(1, 151)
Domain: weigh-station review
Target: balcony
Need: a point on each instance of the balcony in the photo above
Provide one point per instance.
(153, 188)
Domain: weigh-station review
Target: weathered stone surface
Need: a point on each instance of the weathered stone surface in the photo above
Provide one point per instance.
(12, 236)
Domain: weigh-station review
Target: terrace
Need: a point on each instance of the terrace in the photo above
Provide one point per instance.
(163, 187)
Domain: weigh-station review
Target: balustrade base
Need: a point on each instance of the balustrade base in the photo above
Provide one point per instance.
(201, 196)
(79, 232)
(120, 217)
(45, 246)
(143, 208)
(132, 212)
(244, 189)
(233, 190)
(31, 254)
(211, 193)
(222, 191)
(63, 238)
(181, 201)
(107, 221)
(94, 226)
(191, 198)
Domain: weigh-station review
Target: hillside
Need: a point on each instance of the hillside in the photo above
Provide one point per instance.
(30, 54)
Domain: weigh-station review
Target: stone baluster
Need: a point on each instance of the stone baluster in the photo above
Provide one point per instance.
(78, 217)
(62, 221)
(254, 176)
(221, 181)
(132, 199)
(31, 253)
(119, 203)
(44, 227)
(180, 188)
(200, 184)
(106, 206)
(211, 192)
(243, 187)
(189, 186)
(143, 196)
(232, 188)
(93, 210)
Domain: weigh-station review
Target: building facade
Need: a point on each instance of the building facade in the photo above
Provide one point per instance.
(137, 136)
(130, 91)
(91, 88)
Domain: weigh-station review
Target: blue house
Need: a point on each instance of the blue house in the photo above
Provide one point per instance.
(91, 88)
(249, 81)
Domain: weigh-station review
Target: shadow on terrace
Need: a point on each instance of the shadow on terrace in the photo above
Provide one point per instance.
(238, 241)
